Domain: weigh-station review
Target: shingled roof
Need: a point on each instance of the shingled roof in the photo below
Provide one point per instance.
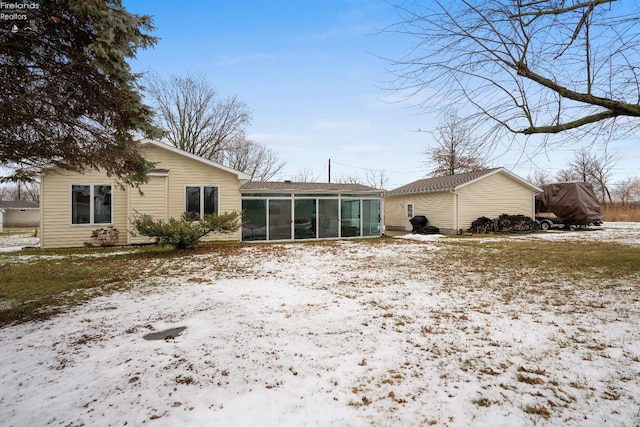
(306, 186)
(451, 182)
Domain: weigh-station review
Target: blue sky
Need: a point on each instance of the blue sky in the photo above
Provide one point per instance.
(310, 72)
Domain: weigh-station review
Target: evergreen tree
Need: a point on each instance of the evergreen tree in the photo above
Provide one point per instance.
(69, 98)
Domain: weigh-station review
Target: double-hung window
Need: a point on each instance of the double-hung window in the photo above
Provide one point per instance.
(91, 204)
(201, 200)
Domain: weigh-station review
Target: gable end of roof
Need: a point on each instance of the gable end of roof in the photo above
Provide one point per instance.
(454, 182)
(241, 175)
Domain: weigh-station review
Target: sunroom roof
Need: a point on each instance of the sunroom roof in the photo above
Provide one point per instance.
(281, 186)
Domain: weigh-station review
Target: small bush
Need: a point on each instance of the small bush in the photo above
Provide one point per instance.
(105, 237)
(187, 231)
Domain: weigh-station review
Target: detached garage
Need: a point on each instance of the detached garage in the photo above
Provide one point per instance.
(453, 202)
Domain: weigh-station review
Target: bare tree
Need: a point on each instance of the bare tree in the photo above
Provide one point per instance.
(627, 190)
(304, 175)
(6, 192)
(457, 150)
(540, 178)
(583, 166)
(601, 173)
(371, 177)
(349, 179)
(22, 190)
(193, 116)
(376, 178)
(254, 159)
(591, 168)
(526, 67)
(566, 175)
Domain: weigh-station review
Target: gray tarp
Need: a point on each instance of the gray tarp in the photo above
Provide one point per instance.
(571, 202)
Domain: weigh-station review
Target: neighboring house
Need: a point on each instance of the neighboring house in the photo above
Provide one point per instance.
(19, 214)
(74, 205)
(453, 202)
(294, 210)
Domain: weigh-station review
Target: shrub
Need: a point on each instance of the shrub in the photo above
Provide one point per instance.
(105, 236)
(187, 231)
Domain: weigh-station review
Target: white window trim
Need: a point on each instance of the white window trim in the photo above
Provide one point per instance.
(91, 223)
(202, 186)
(412, 210)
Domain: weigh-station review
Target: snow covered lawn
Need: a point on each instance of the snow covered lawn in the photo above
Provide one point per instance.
(391, 333)
(16, 241)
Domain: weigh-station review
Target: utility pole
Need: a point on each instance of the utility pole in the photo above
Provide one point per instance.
(329, 181)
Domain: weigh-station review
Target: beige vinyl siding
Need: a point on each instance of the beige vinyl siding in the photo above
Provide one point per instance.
(493, 194)
(183, 172)
(152, 201)
(439, 208)
(164, 197)
(56, 230)
(394, 212)
(491, 197)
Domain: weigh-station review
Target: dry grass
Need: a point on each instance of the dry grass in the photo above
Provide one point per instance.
(616, 212)
(12, 231)
(487, 326)
(47, 281)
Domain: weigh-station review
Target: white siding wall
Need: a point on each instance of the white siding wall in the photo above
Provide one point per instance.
(25, 217)
(491, 197)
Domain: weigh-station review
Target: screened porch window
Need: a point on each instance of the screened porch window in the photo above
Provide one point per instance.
(350, 218)
(201, 200)
(91, 204)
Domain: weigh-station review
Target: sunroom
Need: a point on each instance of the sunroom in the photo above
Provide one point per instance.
(295, 211)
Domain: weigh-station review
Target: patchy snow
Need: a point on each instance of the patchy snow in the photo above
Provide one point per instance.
(621, 232)
(15, 242)
(343, 334)
(421, 237)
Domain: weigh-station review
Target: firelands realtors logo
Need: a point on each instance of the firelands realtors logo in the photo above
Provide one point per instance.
(17, 14)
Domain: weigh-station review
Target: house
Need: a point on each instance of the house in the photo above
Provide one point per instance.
(294, 210)
(453, 202)
(73, 205)
(19, 214)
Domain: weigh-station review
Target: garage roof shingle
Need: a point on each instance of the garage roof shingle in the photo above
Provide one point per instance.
(440, 183)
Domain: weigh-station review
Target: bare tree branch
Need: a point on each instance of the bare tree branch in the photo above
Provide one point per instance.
(194, 118)
(257, 161)
(457, 150)
(527, 67)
